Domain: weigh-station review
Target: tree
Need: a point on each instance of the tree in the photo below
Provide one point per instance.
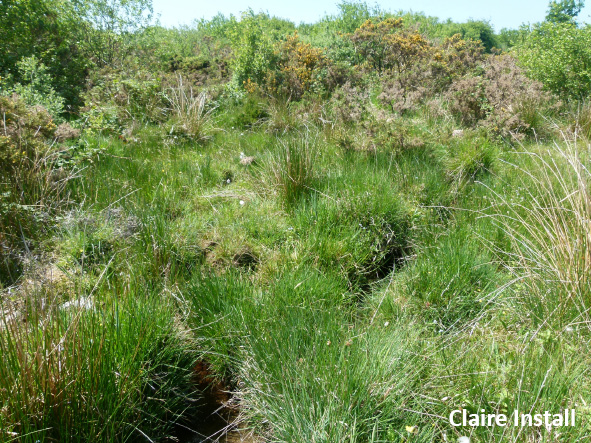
(559, 56)
(44, 29)
(107, 26)
(564, 11)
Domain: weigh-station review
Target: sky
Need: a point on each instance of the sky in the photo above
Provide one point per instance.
(500, 13)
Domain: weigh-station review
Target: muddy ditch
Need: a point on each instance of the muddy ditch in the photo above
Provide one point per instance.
(218, 420)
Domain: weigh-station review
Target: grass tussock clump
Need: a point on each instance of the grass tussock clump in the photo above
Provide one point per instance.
(548, 225)
(365, 236)
(93, 369)
(191, 112)
(469, 158)
(452, 281)
(292, 168)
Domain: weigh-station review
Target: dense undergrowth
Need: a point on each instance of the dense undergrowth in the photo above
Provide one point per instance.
(353, 228)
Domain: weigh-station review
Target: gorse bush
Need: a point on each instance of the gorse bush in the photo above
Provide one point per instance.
(300, 68)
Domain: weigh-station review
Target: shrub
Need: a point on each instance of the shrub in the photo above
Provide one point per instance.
(419, 69)
(117, 99)
(299, 68)
(502, 99)
(559, 56)
(36, 87)
(374, 42)
(349, 104)
(46, 30)
(253, 50)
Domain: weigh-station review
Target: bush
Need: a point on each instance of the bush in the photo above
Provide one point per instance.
(117, 99)
(300, 68)
(559, 56)
(36, 87)
(349, 104)
(418, 69)
(253, 50)
(47, 31)
(502, 98)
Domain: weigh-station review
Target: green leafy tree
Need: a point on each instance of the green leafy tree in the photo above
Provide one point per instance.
(36, 87)
(352, 15)
(564, 11)
(107, 27)
(559, 56)
(252, 43)
(44, 29)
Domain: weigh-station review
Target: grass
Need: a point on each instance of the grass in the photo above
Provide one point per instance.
(340, 295)
(120, 367)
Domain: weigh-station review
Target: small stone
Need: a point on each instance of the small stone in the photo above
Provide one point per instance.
(246, 161)
(457, 133)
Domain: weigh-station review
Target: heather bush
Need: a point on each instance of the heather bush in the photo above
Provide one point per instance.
(349, 104)
(419, 69)
(502, 99)
(400, 95)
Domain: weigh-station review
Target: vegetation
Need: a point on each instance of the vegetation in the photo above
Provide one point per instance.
(330, 232)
